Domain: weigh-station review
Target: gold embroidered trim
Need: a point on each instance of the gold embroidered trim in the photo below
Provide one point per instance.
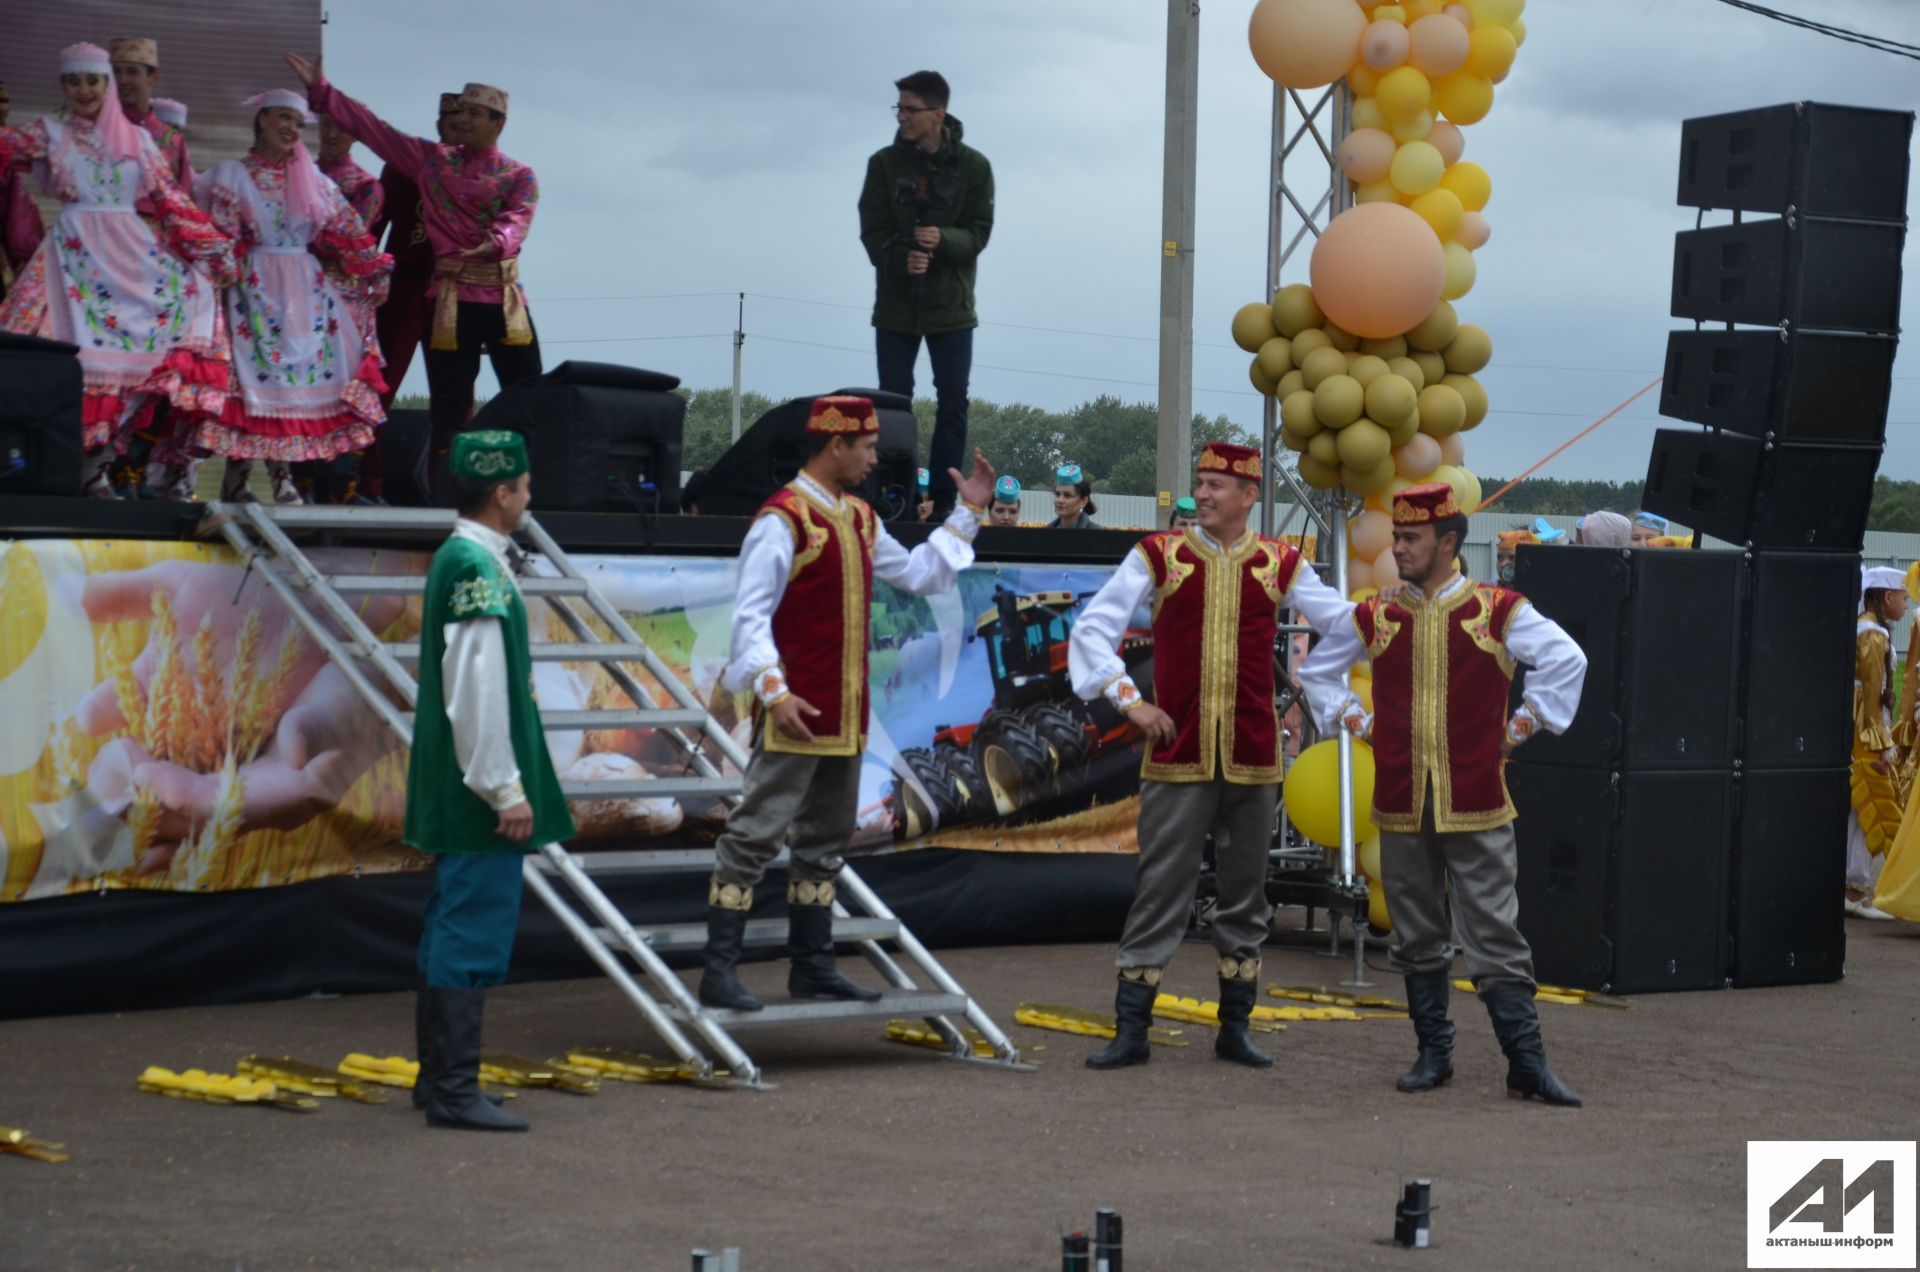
(1239, 969)
(854, 533)
(480, 595)
(729, 896)
(1141, 975)
(807, 892)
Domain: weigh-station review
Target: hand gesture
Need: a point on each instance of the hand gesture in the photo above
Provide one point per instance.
(1152, 721)
(307, 71)
(516, 823)
(1355, 720)
(977, 487)
(790, 716)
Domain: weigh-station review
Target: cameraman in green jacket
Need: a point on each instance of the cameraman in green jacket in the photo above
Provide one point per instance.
(925, 213)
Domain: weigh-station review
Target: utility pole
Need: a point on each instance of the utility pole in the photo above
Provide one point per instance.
(739, 343)
(1174, 449)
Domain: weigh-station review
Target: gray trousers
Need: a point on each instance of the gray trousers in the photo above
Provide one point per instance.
(1477, 869)
(814, 796)
(1175, 818)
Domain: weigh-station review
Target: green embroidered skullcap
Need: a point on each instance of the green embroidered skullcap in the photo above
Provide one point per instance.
(489, 455)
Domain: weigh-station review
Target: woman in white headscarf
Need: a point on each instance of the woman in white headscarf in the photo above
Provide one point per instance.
(1603, 530)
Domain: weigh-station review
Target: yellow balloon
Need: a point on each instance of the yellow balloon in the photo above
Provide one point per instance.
(1296, 414)
(1367, 368)
(1469, 351)
(1463, 97)
(1470, 495)
(1324, 448)
(1499, 12)
(1390, 13)
(1318, 475)
(1415, 129)
(1265, 383)
(1442, 412)
(1376, 192)
(1291, 382)
(1362, 444)
(1390, 347)
(1360, 594)
(1406, 430)
(1291, 440)
(1417, 168)
(1338, 400)
(1441, 209)
(1367, 853)
(1403, 93)
(1307, 341)
(1362, 81)
(1377, 917)
(1312, 793)
(1295, 310)
(1470, 183)
(1461, 270)
(1253, 326)
(1391, 400)
(1344, 341)
(1490, 51)
(1435, 332)
(1367, 480)
(1432, 365)
(1276, 358)
(1414, 10)
(1473, 393)
(1367, 112)
(1519, 28)
(1409, 370)
(1320, 364)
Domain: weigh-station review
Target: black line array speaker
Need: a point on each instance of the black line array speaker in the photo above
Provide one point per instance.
(600, 437)
(1789, 873)
(1746, 491)
(1805, 272)
(40, 395)
(775, 447)
(1623, 875)
(1808, 156)
(1797, 683)
(1824, 386)
(1661, 631)
(406, 453)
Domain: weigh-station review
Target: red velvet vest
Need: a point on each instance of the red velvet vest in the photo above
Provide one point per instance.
(1441, 673)
(1215, 616)
(820, 625)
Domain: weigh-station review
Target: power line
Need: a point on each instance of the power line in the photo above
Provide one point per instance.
(1880, 44)
(711, 335)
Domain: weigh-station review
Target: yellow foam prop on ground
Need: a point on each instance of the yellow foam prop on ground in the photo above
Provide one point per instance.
(518, 1071)
(307, 1079)
(218, 1088)
(1570, 997)
(917, 1033)
(1201, 1011)
(610, 1064)
(21, 1144)
(1327, 998)
(393, 1071)
(1086, 1023)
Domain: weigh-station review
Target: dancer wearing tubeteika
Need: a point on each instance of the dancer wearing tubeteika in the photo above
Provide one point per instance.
(1443, 654)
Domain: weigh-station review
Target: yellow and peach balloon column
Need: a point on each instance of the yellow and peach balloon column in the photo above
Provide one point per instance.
(1370, 363)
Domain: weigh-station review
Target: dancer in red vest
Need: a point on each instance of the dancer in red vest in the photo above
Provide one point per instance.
(800, 644)
(1213, 764)
(1443, 653)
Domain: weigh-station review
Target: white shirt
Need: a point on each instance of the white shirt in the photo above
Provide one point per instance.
(766, 559)
(1557, 668)
(473, 677)
(1094, 666)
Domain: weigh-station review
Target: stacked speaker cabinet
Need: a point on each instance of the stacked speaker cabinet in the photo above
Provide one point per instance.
(1689, 830)
(776, 447)
(600, 437)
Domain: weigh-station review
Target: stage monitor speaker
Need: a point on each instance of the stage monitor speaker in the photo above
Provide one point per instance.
(1817, 159)
(1803, 386)
(600, 437)
(1797, 695)
(1808, 274)
(1661, 631)
(40, 396)
(1623, 876)
(406, 458)
(770, 452)
(1745, 491)
(1789, 877)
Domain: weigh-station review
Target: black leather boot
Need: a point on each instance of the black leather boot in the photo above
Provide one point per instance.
(1133, 1013)
(720, 984)
(454, 1098)
(1516, 1022)
(427, 1047)
(1427, 994)
(810, 943)
(1233, 1041)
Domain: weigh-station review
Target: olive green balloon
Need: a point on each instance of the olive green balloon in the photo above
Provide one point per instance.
(1344, 341)
(1391, 347)
(1361, 445)
(1367, 368)
(1405, 430)
(1292, 382)
(1322, 363)
(1339, 401)
(1296, 413)
(1367, 481)
(1276, 357)
(1392, 398)
(1325, 448)
(1409, 370)
(1292, 440)
(1435, 330)
(1469, 351)
(1307, 341)
(1442, 411)
(1432, 366)
(1261, 380)
(1318, 475)
(1474, 394)
(1253, 326)
(1295, 310)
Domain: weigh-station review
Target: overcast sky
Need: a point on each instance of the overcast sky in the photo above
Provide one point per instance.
(718, 146)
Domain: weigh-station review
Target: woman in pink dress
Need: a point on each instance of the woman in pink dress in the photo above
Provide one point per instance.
(307, 378)
(142, 305)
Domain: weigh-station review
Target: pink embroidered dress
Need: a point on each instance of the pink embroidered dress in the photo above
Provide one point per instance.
(142, 306)
(307, 382)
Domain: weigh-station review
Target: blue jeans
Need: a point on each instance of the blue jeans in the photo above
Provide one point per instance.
(951, 353)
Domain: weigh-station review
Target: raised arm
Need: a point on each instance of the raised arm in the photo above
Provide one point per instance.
(409, 154)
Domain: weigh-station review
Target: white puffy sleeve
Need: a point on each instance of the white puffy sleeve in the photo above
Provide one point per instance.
(934, 565)
(1094, 667)
(766, 558)
(1557, 668)
(473, 676)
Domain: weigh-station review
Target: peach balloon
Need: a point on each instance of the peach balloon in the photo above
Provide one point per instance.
(1370, 534)
(1474, 231)
(1418, 458)
(1460, 13)
(1385, 569)
(1366, 154)
(1453, 450)
(1448, 140)
(1439, 45)
(1377, 270)
(1385, 45)
(1359, 576)
(1305, 43)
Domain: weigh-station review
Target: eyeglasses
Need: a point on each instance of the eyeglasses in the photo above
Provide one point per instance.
(913, 110)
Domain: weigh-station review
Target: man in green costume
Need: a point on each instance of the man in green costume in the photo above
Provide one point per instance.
(481, 789)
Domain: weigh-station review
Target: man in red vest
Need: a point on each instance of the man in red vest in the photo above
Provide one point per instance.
(1443, 654)
(800, 645)
(1213, 760)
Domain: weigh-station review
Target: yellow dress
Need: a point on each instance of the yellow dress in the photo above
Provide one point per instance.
(1878, 799)
(1899, 887)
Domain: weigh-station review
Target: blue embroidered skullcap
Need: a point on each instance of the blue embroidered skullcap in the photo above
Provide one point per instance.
(926, 479)
(1007, 488)
(1069, 475)
(1185, 507)
(1650, 521)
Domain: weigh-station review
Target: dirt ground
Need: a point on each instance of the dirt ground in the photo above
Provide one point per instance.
(873, 1155)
